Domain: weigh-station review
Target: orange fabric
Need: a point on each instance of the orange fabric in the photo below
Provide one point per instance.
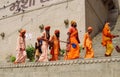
(73, 53)
(88, 46)
(106, 35)
(107, 40)
(55, 49)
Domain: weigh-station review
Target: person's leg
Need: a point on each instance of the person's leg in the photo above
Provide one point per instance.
(109, 50)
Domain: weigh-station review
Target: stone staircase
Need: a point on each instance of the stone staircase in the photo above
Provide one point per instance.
(97, 67)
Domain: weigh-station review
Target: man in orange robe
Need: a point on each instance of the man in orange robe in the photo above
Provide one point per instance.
(88, 44)
(55, 45)
(74, 49)
(107, 39)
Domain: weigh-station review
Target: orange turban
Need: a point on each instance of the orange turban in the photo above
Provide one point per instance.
(73, 22)
(47, 28)
(57, 31)
(90, 28)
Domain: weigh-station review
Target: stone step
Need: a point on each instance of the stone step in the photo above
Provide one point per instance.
(62, 62)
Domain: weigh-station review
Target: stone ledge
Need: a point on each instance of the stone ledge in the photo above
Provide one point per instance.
(60, 63)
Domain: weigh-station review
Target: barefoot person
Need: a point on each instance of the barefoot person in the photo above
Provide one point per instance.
(21, 48)
(87, 44)
(107, 39)
(45, 39)
(73, 39)
(56, 45)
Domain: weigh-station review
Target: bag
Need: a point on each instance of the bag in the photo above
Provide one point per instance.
(74, 45)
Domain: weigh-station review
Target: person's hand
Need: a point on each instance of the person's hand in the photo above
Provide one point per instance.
(115, 36)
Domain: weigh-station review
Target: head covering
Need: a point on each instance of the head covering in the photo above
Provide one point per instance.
(107, 24)
(73, 22)
(22, 31)
(38, 38)
(57, 31)
(47, 28)
(90, 28)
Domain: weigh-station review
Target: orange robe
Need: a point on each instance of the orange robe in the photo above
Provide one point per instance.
(107, 39)
(88, 46)
(55, 49)
(73, 53)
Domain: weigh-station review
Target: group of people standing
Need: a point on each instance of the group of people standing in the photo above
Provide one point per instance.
(45, 42)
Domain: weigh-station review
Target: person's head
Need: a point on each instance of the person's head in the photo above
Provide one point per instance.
(90, 29)
(107, 23)
(38, 38)
(22, 32)
(73, 23)
(57, 33)
(47, 28)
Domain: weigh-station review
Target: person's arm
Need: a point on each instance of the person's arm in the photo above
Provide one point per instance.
(84, 42)
(51, 42)
(78, 38)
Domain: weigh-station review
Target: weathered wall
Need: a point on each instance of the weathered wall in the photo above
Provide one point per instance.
(50, 12)
(96, 14)
(102, 67)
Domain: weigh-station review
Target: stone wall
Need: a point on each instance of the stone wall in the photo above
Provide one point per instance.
(96, 14)
(31, 15)
(119, 6)
(99, 67)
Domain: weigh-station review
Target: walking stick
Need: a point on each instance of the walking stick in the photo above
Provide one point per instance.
(64, 41)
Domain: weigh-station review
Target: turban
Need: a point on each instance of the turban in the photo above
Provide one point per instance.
(73, 22)
(23, 31)
(47, 28)
(57, 31)
(107, 25)
(90, 28)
